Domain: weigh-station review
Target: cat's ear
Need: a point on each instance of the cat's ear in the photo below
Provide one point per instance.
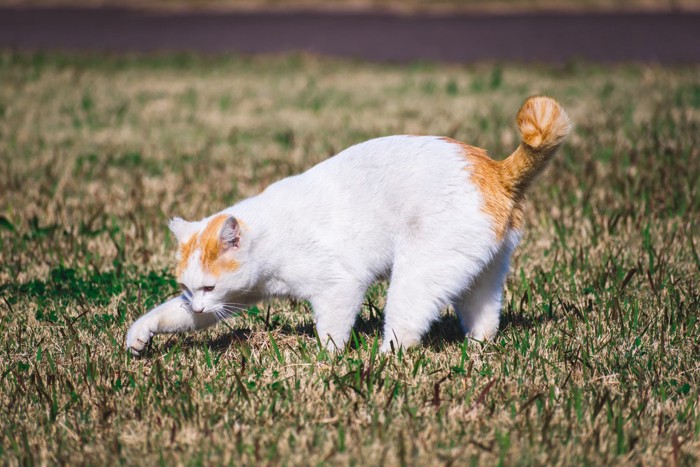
(182, 229)
(230, 234)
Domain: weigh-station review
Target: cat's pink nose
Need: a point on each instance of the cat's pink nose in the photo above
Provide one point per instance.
(198, 310)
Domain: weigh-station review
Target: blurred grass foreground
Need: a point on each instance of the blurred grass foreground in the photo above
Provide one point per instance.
(597, 358)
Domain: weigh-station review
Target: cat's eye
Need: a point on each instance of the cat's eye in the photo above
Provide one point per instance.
(208, 288)
(184, 288)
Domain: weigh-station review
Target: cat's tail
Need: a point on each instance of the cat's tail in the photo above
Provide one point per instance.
(543, 126)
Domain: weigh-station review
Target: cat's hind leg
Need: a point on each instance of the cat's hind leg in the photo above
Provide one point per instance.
(173, 316)
(479, 309)
(423, 282)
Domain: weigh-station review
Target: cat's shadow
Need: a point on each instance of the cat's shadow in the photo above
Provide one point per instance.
(447, 330)
(232, 337)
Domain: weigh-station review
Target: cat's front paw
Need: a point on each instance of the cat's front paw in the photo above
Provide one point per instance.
(138, 337)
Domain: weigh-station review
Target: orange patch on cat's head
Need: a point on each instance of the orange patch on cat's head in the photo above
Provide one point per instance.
(208, 243)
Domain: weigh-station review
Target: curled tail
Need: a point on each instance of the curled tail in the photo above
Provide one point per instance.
(543, 125)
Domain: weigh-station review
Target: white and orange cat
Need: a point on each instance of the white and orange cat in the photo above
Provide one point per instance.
(437, 217)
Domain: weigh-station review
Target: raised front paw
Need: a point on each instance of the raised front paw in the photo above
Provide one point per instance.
(138, 337)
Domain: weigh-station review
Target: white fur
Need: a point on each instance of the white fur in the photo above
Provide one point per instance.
(399, 207)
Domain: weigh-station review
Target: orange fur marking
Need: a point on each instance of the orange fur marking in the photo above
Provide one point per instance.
(543, 126)
(501, 203)
(516, 219)
(209, 245)
(186, 250)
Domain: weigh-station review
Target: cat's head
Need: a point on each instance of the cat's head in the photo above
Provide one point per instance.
(210, 267)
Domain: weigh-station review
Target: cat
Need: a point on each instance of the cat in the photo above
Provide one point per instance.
(437, 217)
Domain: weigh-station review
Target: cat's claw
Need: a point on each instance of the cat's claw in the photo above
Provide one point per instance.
(138, 337)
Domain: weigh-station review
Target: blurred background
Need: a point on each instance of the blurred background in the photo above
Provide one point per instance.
(456, 31)
(407, 5)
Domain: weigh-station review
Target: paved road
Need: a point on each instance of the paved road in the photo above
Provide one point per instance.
(555, 37)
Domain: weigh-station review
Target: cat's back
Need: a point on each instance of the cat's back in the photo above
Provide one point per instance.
(389, 171)
(382, 164)
(395, 152)
(393, 161)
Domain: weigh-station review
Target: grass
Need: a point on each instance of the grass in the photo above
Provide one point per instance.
(596, 361)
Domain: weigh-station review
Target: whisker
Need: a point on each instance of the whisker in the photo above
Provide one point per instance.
(230, 307)
(223, 312)
(233, 308)
(235, 304)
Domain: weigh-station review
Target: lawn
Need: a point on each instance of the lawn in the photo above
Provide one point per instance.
(597, 357)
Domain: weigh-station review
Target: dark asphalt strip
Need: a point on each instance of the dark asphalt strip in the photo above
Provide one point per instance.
(554, 37)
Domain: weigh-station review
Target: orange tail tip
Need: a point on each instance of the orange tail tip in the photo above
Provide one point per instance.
(543, 125)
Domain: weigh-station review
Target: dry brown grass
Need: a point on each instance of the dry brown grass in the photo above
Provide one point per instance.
(596, 360)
